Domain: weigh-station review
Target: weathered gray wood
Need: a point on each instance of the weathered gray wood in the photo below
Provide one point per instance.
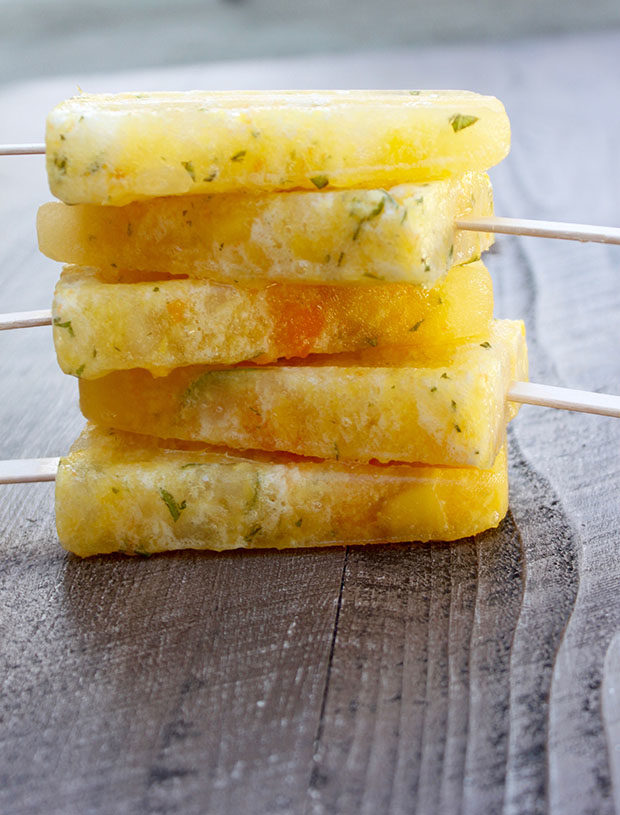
(473, 677)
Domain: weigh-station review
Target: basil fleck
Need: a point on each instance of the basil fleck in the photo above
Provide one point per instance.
(485, 344)
(320, 181)
(416, 325)
(462, 120)
(190, 169)
(80, 370)
(238, 156)
(66, 325)
(374, 213)
(254, 531)
(174, 508)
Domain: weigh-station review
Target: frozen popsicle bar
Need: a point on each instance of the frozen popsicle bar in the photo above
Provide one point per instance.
(160, 325)
(405, 234)
(380, 405)
(106, 149)
(119, 492)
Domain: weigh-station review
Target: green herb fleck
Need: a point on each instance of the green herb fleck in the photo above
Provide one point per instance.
(190, 169)
(298, 522)
(373, 276)
(142, 552)
(254, 531)
(416, 325)
(340, 257)
(453, 403)
(116, 348)
(212, 175)
(476, 452)
(419, 199)
(238, 156)
(434, 388)
(405, 214)
(485, 344)
(320, 181)
(60, 162)
(174, 508)
(337, 451)
(254, 498)
(113, 265)
(372, 341)
(255, 134)
(115, 490)
(155, 288)
(445, 375)
(462, 120)
(94, 353)
(374, 213)
(93, 167)
(457, 428)
(66, 325)
(129, 230)
(414, 93)
(80, 370)
(62, 137)
(451, 252)
(253, 409)
(439, 301)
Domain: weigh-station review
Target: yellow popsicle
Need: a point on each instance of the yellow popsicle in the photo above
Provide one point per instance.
(402, 235)
(118, 492)
(106, 149)
(447, 410)
(160, 325)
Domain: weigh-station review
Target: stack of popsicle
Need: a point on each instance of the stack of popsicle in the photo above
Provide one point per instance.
(280, 337)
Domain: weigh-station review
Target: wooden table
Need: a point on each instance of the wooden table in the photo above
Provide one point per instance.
(477, 677)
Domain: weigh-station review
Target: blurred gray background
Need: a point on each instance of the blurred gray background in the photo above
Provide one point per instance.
(54, 37)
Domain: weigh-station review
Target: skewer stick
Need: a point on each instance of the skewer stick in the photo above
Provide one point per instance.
(541, 229)
(25, 319)
(23, 471)
(22, 149)
(28, 470)
(530, 393)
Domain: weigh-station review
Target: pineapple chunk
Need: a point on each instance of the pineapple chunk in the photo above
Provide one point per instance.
(160, 325)
(405, 235)
(450, 411)
(116, 149)
(119, 492)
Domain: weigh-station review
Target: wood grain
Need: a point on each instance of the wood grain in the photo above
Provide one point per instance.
(480, 676)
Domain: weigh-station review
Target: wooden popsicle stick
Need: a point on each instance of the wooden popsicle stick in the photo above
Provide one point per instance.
(541, 229)
(22, 149)
(27, 470)
(25, 319)
(23, 471)
(531, 393)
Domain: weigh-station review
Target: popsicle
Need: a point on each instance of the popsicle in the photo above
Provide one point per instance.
(390, 405)
(119, 492)
(107, 149)
(160, 325)
(405, 234)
